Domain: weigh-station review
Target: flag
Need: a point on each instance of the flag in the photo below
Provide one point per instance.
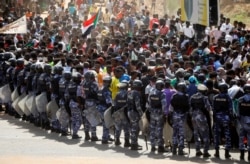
(17, 27)
(90, 24)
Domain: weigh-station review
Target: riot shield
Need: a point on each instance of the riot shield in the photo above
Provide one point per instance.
(14, 95)
(31, 104)
(108, 118)
(41, 102)
(51, 109)
(15, 104)
(93, 116)
(23, 106)
(5, 93)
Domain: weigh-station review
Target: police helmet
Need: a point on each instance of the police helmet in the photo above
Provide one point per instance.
(159, 85)
(33, 68)
(58, 70)
(89, 75)
(223, 87)
(47, 68)
(20, 62)
(39, 68)
(12, 62)
(107, 81)
(77, 77)
(137, 84)
(28, 66)
(181, 87)
(246, 88)
(123, 84)
(67, 75)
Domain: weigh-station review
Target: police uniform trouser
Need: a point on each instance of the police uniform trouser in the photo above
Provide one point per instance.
(76, 116)
(105, 130)
(222, 121)
(201, 129)
(179, 121)
(156, 131)
(244, 131)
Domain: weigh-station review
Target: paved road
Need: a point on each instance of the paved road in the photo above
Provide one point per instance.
(22, 143)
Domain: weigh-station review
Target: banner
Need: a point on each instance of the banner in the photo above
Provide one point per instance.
(195, 11)
(17, 27)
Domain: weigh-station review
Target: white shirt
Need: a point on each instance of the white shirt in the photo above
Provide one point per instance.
(188, 31)
(226, 28)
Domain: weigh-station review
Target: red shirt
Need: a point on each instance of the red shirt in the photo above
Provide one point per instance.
(164, 30)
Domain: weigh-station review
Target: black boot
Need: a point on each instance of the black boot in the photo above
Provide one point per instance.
(217, 153)
(87, 136)
(153, 149)
(117, 142)
(1, 108)
(181, 152)
(161, 149)
(76, 136)
(135, 147)
(242, 154)
(94, 139)
(24, 117)
(249, 156)
(174, 150)
(127, 143)
(227, 155)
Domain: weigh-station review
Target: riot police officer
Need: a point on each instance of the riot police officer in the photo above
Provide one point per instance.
(19, 68)
(54, 87)
(244, 118)
(179, 117)
(64, 119)
(200, 109)
(44, 86)
(90, 88)
(120, 105)
(9, 79)
(135, 112)
(103, 103)
(157, 106)
(74, 96)
(223, 111)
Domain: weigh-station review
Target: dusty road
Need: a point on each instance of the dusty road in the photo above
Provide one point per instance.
(23, 143)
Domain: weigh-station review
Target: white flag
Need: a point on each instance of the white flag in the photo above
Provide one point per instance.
(17, 27)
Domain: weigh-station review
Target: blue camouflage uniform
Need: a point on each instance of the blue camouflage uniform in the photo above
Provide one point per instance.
(200, 108)
(223, 109)
(63, 83)
(43, 86)
(120, 102)
(104, 102)
(54, 85)
(90, 92)
(180, 104)
(134, 114)
(244, 116)
(157, 106)
(73, 91)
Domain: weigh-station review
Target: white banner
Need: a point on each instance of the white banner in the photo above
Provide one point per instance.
(195, 11)
(17, 27)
